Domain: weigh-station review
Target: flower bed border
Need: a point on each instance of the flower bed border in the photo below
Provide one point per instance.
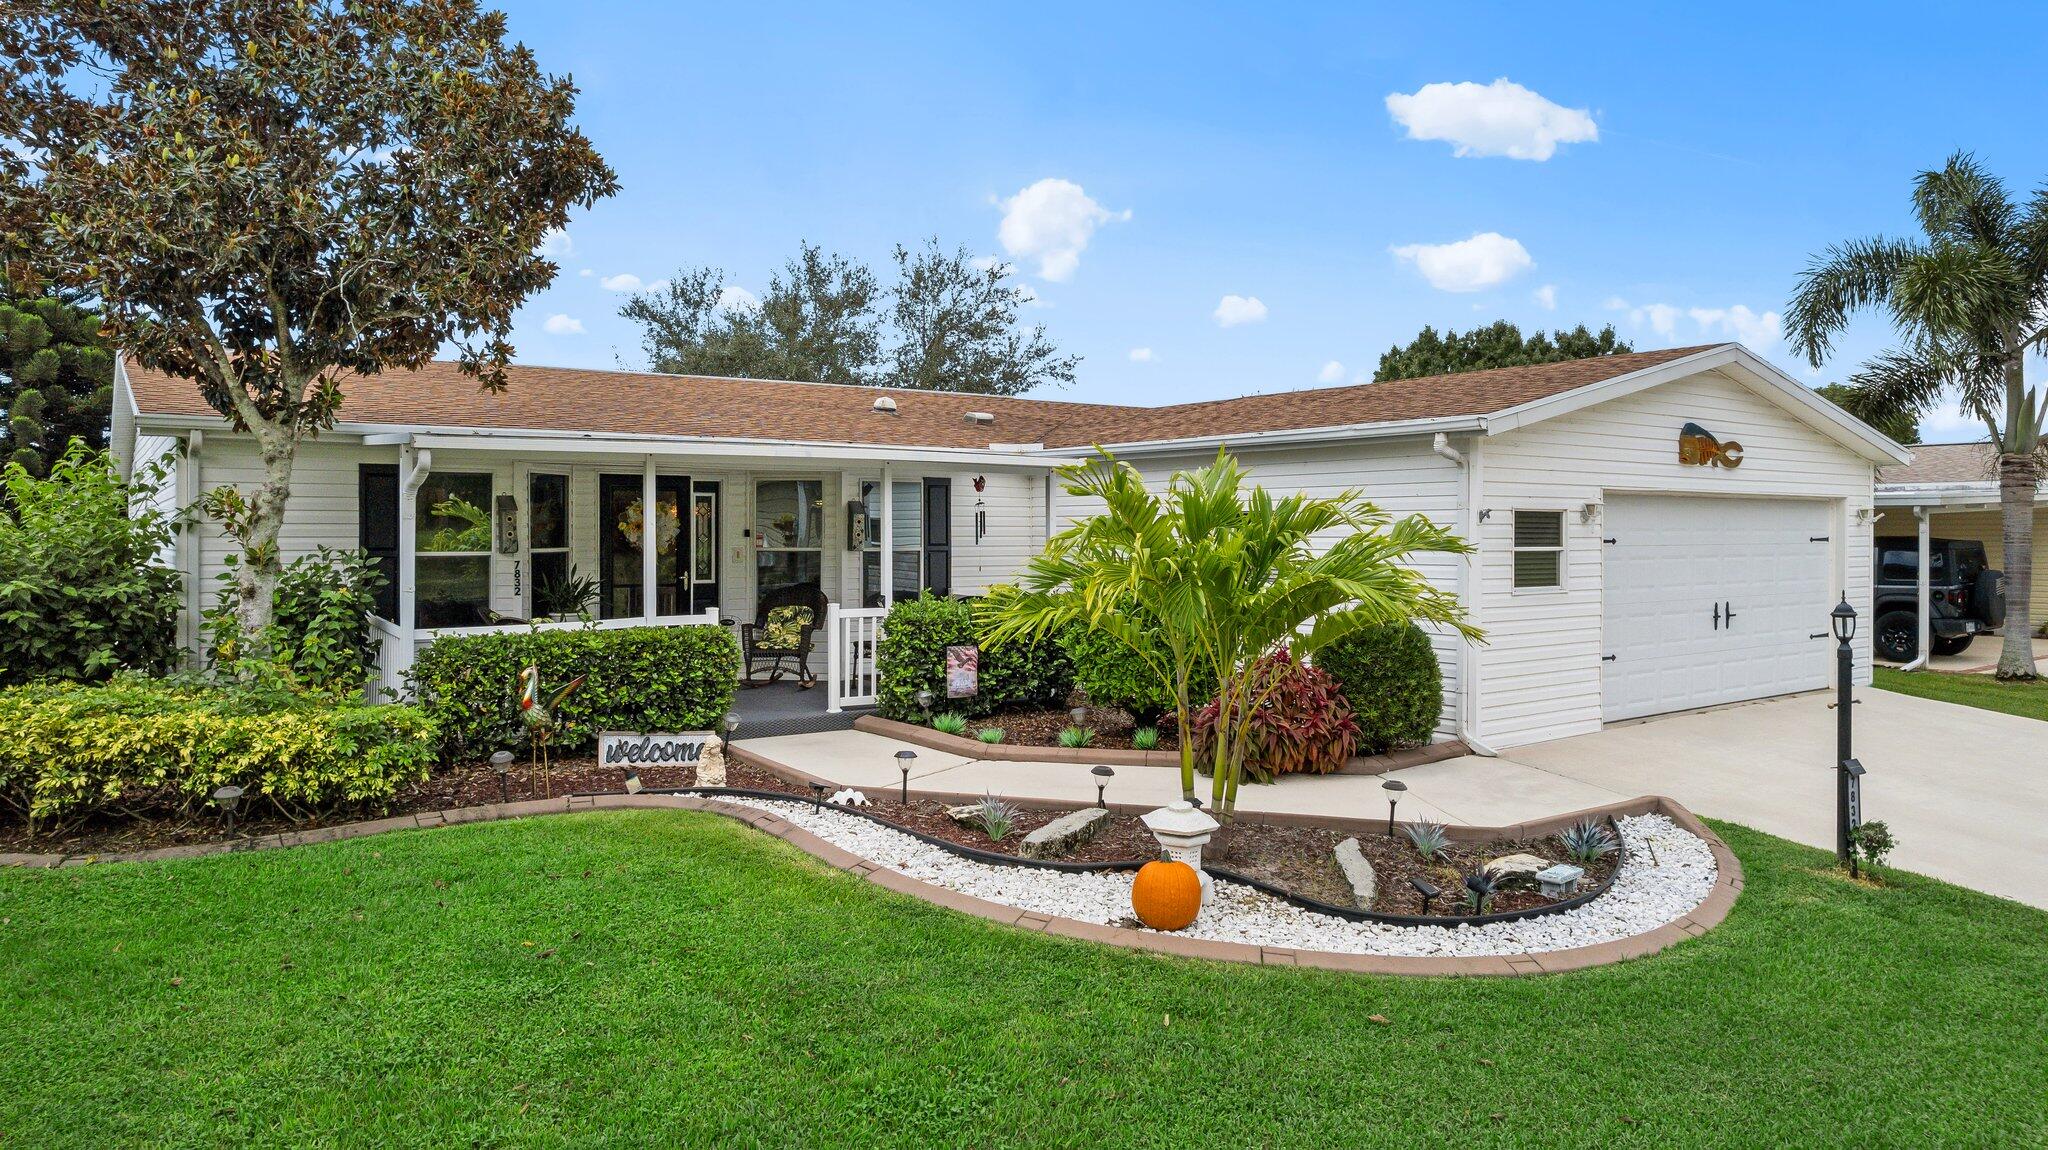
(1122, 757)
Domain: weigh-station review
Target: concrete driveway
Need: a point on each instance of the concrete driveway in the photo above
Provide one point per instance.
(1964, 790)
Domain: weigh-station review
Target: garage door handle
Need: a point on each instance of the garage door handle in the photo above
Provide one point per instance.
(1607, 658)
(1717, 616)
(1729, 609)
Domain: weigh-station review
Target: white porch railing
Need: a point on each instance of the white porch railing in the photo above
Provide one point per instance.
(395, 655)
(852, 668)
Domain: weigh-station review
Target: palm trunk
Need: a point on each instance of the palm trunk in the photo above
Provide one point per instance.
(2018, 476)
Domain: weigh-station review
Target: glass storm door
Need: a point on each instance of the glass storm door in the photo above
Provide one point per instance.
(623, 530)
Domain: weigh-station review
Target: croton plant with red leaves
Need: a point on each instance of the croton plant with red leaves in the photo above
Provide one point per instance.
(1305, 725)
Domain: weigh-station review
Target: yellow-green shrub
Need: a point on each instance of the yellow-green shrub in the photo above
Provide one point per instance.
(146, 747)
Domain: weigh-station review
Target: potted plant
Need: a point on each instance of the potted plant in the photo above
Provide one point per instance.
(565, 597)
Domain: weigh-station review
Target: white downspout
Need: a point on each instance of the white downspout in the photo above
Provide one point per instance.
(415, 464)
(1468, 582)
(888, 560)
(1924, 613)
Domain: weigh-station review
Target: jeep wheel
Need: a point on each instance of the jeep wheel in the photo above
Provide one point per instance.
(1897, 638)
(1954, 646)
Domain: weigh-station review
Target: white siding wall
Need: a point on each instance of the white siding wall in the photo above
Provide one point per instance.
(1403, 477)
(1540, 669)
(323, 506)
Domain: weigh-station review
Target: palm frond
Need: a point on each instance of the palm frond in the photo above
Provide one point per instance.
(1847, 277)
(1963, 202)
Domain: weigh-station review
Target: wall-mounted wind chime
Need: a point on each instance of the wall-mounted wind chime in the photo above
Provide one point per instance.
(980, 508)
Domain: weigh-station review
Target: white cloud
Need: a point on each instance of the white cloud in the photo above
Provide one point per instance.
(733, 297)
(556, 242)
(1486, 260)
(1333, 372)
(586, 273)
(1662, 318)
(624, 281)
(1757, 331)
(1141, 355)
(1498, 119)
(559, 324)
(1546, 297)
(985, 263)
(1236, 309)
(1051, 222)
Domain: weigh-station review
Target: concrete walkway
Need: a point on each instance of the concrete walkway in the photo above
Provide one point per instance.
(1981, 657)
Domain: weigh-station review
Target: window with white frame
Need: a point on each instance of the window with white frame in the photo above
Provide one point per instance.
(547, 536)
(452, 573)
(1539, 549)
(789, 534)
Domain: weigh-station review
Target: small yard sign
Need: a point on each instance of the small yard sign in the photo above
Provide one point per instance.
(963, 671)
(631, 749)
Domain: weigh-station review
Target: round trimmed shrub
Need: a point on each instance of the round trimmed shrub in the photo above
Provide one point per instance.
(1394, 684)
(1113, 675)
(912, 651)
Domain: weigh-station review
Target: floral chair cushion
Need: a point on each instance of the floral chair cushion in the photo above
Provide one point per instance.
(785, 627)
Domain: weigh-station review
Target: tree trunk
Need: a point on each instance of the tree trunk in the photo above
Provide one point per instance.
(257, 572)
(2018, 475)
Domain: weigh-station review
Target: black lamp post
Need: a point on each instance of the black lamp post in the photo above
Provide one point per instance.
(1395, 788)
(501, 762)
(1102, 776)
(227, 799)
(1843, 621)
(903, 760)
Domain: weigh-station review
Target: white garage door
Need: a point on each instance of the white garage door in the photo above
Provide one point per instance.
(1712, 601)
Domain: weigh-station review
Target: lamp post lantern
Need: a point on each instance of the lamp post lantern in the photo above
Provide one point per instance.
(732, 724)
(1395, 788)
(924, 703)
(227, 798)
(1842, 620)
(903, 760)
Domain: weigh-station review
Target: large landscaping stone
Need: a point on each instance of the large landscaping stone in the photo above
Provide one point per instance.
(1516, 869)
(1064, 833)
(1358, 872)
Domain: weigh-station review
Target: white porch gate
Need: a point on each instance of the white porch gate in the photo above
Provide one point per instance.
(852, 667)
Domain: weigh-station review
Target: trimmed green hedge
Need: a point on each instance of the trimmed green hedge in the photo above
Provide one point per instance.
(145, 746)
(913, 653)
(1113, 675)
(640, 679)
(1394, 684)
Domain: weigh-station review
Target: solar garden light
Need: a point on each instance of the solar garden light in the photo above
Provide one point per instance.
(1079, 715)
(818, 792)
(1395, 788)
(633, 783)
(903, 760)
(1428, 890)
(1843, 621)
(924, 703)
(501, 762)
(227, 799)
(732, 723)
(1102, 776)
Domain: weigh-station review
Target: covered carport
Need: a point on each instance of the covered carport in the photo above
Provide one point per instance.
(1919, 506)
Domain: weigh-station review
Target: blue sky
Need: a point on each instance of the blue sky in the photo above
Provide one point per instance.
(1153, 162)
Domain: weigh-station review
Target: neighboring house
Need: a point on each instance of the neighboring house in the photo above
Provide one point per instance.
(1956, 486)
(1655, 531)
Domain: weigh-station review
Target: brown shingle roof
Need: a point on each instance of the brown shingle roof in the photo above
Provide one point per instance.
(624, 402)
(1944, 463)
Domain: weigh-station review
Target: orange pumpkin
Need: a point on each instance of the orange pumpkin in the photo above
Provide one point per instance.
(1167, 895)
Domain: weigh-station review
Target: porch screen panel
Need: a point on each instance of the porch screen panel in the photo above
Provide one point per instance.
(789, 534)
(938, 536)
(453, 572)
(906, 544)
(377, 528)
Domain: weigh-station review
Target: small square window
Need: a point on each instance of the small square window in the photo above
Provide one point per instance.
(1539, 549)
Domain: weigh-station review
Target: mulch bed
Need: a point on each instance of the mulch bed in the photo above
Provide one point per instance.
(1299, 859)
(1112, 728)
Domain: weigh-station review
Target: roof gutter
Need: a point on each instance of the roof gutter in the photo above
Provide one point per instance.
(1393, 429)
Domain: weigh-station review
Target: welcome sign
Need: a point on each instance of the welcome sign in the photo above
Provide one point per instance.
(629, 749)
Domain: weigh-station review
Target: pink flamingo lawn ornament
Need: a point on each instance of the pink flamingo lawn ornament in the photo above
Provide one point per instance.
(543, 722)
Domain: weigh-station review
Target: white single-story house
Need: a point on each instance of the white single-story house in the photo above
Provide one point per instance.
(1655, 531)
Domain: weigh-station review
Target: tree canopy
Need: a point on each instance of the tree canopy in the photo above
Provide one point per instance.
(1898, 426)
(268, 196)
(949, 322)
(1498, 344)
(56, 379)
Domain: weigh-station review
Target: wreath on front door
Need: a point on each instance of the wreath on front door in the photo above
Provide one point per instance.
(668, 525)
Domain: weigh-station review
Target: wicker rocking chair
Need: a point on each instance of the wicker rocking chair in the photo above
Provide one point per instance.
(784, 626)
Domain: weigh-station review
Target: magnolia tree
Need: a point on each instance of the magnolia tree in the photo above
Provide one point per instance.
(1202, 582)
(269, 198)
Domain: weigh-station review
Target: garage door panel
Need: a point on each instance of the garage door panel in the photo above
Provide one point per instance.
(1672, 562)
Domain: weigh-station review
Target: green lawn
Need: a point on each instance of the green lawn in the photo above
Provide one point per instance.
(2027, 700)
(652, 977)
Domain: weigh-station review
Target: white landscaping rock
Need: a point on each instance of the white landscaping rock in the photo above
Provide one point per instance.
(1652, 888)
(1063, 833)
(1358, 872)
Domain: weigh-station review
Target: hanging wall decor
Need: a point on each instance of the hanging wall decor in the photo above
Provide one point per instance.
(667, 525)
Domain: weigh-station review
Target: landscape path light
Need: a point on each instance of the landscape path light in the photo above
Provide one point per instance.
(227, 798)
(501, 762)
(1102, 776)
(903, 760)
(924, 703)
(732, 723)
(1428, 890)
(1395, 788)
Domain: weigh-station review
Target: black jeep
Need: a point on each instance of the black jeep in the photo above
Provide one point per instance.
(1968, 596)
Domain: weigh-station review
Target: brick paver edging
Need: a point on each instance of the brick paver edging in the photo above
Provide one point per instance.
(1727, 885)
(1120, 757)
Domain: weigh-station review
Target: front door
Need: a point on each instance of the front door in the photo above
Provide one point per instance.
(621, 533)
(704, 558)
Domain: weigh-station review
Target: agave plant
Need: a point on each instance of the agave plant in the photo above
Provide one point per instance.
(1587, 841)
(995, 817)
(1430, 839)
(1479, 887)
(950, 723)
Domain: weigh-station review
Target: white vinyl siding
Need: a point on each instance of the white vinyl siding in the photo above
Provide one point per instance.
(1540, 671)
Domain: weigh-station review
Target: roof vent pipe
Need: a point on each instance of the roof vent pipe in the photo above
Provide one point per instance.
(885, 405)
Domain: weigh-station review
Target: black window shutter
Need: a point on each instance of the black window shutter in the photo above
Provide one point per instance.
(377, 527)
(938, 536)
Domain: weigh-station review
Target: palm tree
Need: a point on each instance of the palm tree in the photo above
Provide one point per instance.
(1969, 300)
(1223, 576)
